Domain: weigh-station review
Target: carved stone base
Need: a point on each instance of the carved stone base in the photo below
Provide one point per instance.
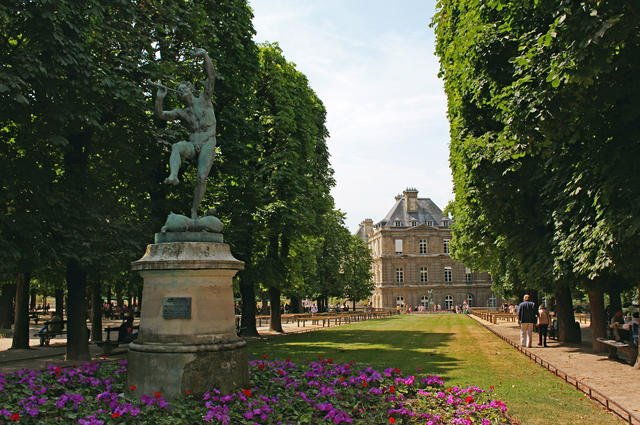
(187, 338)
(197, 368)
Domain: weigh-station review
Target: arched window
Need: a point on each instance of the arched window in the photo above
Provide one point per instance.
(448, 302)
(492, 301)
(470, 300)
(424, 301)
(400, 301)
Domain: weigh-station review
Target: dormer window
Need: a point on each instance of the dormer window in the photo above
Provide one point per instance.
(429, 222)
(414, 223)
(398, 223)
(445, 223)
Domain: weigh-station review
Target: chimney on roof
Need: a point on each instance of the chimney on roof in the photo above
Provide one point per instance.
(367, 224)
(411, 199)
(397, 197)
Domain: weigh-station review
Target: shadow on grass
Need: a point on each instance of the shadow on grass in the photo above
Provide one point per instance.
(406, 350)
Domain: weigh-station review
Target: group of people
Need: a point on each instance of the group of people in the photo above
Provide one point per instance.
(111, 311)
(528, 317)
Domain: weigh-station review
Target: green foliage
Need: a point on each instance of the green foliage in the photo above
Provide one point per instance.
(292, 166)
(542, 97)
(356, 270)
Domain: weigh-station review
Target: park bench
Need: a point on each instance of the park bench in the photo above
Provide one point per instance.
(613, 346)
(35, 316)
(45, 337)
(109, 345)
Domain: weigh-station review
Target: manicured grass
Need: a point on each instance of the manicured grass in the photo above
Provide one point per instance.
(455, 347)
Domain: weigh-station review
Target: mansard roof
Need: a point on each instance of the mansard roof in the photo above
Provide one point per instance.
(427, 211)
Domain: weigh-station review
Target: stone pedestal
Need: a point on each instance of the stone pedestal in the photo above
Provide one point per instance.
(187, 338)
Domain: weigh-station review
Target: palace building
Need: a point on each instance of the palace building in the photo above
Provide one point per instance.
(411, 262)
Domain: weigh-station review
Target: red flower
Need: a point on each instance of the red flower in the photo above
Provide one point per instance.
(469, 400)
(281, 372)
(261, 366)
(491, 388)
(396, 370)
(15, 417)
(133, 387)
(392, 421)
(188, 391)
(246, 392)
(342, 379)
(288, 359)
(116, 415)
(157, 395)
(330, 360)
(392, 389)
(364, 383)
(449, 390)
(264, 356)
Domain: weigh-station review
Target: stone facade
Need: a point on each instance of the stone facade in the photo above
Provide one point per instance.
(411, 262)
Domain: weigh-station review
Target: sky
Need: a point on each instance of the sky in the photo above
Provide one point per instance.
(372, 64)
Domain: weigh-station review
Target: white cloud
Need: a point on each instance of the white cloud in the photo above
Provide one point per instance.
(386, 108)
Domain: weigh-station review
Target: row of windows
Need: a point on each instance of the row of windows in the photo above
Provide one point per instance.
(448, 301)
(422, 246)
(424, 274)
(414, 223)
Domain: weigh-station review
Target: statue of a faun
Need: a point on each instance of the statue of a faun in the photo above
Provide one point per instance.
(198, 116)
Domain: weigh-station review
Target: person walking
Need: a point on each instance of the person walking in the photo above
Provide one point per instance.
(527, 315)
(544, 319)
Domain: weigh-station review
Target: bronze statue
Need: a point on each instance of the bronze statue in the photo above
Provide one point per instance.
(198, 116)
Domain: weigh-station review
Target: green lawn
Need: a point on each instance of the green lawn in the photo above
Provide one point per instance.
(455, 347)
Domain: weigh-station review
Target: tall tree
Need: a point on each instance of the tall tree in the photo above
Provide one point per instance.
(547, 99)
(356, 271)
(293, 166)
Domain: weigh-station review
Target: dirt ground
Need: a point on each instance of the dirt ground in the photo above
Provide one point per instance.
(615, 379)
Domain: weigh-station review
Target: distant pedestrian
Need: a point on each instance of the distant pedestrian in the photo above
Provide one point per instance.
(544, 319)
(527, 316)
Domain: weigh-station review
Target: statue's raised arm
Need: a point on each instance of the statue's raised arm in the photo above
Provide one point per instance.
(160, 113)
(211, 73)
(199, 117)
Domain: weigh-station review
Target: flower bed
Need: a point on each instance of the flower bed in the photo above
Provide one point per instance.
(281, 392)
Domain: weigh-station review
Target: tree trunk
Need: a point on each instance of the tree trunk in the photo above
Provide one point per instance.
(615, 303)
(354, 306)
(7, 310)
(59, 302)
(275, 324)
(598, 319)
(34, 300)
(296, 304)
(96, 311)
(248, 319)
(265, 303)
(21, 328)
(77, 338)
(567, 331)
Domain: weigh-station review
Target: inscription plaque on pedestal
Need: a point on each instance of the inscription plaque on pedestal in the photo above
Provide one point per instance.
(176, 308)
